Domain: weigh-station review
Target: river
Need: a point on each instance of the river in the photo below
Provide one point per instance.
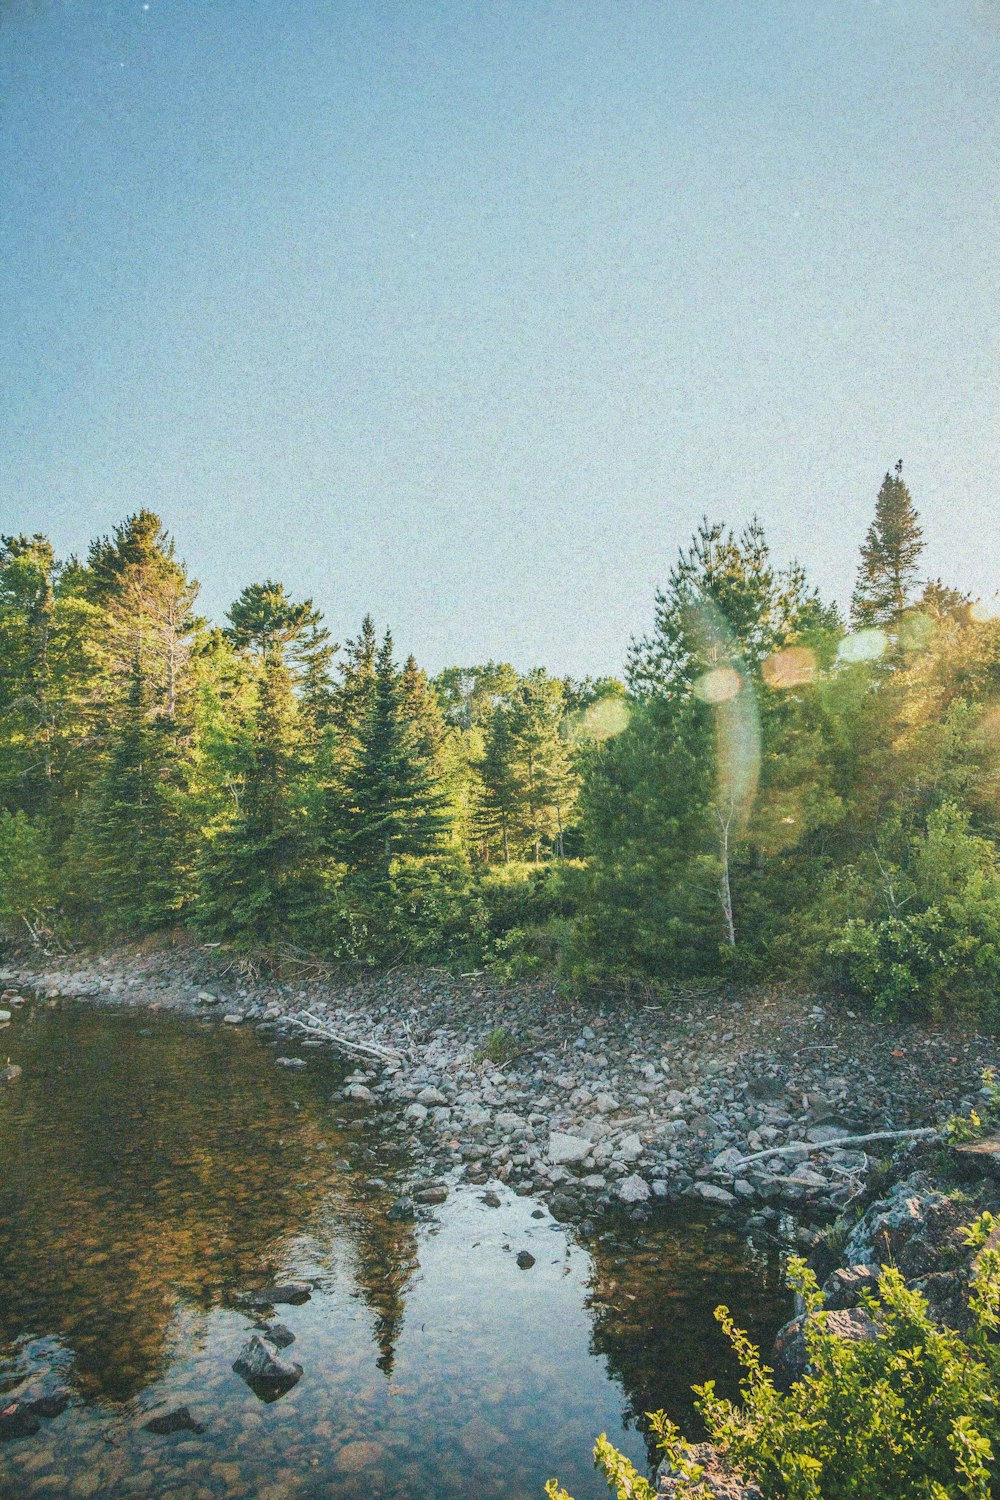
(155, 1172)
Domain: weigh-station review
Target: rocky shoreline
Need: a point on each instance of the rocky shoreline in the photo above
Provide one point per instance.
(594, 1104)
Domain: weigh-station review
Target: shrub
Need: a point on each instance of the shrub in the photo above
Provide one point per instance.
(937, 951)
(911, 1412)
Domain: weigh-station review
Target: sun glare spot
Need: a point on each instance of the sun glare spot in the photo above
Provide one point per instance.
(721, 685)
(790, 668)
(864, 645)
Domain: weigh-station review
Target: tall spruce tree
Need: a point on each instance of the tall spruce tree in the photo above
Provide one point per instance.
(395, 801)
(889, 557)
(259, 871)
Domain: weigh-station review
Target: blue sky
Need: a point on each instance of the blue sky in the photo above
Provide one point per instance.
(464, 313)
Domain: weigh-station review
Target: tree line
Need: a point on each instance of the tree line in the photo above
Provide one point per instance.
(773, 788)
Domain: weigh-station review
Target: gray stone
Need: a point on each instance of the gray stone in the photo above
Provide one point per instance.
(430, 1095)
(714, 1194)
(266, 1373)
(290, 1062)
(629, 1148)
(634, 1189)
(10, 1074)
(564, 1150)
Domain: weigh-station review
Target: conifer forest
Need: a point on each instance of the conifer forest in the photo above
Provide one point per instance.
(774, 787)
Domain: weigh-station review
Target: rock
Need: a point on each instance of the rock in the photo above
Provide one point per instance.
(401, 1211)
(844, 1287)
(4, 1017)
(361, 1454)
(266, 1373)
(431, 1095)
(976, 1158)
(491, 1199)
(436, 1193)
(16, 1422)
(415, 1113)
(178, 1420)
(721, 1480)
(634, 1189)
(359, 1093)
(291, 1292)
(232, 1019)
(629, 1148)
(10, 1074)
(820, 1133)
(605, 1104)
(525, 1260)
(509, 1123)
(290, 1062)
(807, 1177)
(51, 1405)
(790, 1356)
(278, 1335)
(564, 1150)
(206, 998)
(714, 1194)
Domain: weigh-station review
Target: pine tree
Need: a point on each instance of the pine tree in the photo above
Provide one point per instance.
(889, 557)
(395, 801)
(498, 789)
(259, 872)
(133, 848)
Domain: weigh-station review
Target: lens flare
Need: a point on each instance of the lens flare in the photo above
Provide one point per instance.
(601, 720)
(720, 685)
(793, 667)
(863, 645)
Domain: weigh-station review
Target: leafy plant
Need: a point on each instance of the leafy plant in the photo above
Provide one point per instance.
(910, 1412)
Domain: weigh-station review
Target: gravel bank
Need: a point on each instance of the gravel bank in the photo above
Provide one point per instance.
(602, 1103)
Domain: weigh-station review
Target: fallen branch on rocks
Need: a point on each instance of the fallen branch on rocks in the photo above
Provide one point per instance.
(363, 1049)
(838, 1142)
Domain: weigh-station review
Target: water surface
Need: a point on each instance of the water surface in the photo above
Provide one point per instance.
(155, 1171)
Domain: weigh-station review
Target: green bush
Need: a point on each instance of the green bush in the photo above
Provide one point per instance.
(937, 952)
(912, 1412)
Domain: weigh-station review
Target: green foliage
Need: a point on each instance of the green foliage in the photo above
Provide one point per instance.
(889, 558)
(499, 1047)
(760, 798)
(27, 884)
(937, 950)
(910, 1412)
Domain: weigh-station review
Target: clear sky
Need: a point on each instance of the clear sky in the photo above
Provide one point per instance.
(464, 312)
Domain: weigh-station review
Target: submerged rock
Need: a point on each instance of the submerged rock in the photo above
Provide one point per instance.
(525, 1260)
(17, 1422)
(278, 1335)
(291, 1292)
(266, 1373)
(178, 1420)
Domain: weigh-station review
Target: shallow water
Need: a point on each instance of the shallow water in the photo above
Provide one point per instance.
(154, 1171)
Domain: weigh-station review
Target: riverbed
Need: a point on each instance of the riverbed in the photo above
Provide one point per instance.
(156, 1173)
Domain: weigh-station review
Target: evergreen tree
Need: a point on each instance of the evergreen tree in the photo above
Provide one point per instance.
(725, 603)
(889, 557)
(259, 872)
(395, 802)
(132, 852)
(498, 789)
